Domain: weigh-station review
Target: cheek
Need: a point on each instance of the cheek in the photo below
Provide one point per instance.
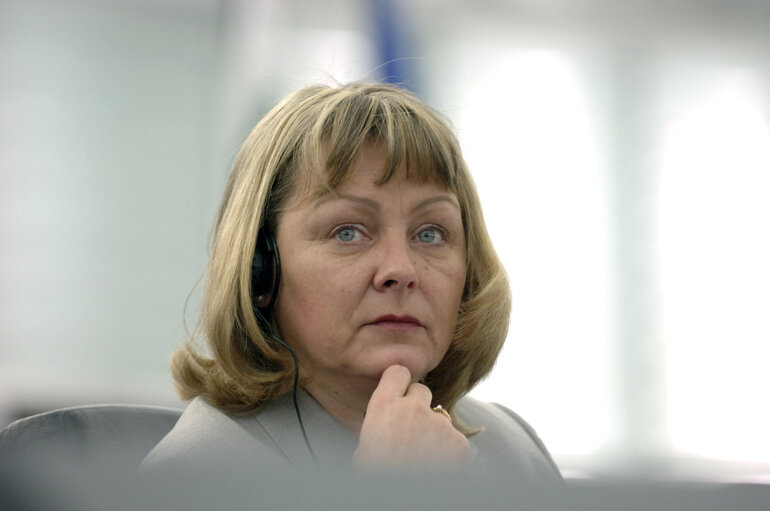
(300, 290)
(451, 279)
(318, 292)
(447, 290)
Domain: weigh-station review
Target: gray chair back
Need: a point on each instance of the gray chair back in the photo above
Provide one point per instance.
(84, 434)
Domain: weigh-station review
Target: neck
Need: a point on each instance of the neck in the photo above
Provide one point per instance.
(346, 401)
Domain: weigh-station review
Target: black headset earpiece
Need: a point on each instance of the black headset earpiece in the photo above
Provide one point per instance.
(265, 270)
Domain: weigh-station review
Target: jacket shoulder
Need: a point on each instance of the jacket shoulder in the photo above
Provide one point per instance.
(204, 433)
(506, 439)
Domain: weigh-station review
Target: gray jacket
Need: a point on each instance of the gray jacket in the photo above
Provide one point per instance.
(272, 437)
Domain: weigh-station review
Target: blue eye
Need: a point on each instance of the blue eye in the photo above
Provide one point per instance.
(429, 235)
(347, 234)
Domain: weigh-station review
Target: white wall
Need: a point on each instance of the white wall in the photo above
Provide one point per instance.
(107, 190)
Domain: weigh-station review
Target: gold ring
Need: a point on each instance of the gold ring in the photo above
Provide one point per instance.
(440, 409)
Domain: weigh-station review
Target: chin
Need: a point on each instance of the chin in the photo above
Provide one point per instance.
(418, 366)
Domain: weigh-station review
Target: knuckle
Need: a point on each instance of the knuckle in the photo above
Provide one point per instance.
(424, 389)
(414, 406)
(421, 390)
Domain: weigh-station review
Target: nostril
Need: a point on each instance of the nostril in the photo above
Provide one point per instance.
(389, 283)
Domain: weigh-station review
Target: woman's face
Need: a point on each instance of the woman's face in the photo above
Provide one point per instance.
(371, 276)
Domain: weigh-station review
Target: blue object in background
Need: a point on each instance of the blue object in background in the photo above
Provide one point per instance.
(393, 59)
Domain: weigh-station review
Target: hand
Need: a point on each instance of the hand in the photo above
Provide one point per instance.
(400, 431)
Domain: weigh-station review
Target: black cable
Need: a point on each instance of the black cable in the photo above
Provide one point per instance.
(269, 331)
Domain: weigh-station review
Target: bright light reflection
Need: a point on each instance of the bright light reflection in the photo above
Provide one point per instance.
(715, 273)
(527, 136)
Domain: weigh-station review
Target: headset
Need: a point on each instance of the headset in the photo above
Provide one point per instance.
(265, 280)
(265, 271)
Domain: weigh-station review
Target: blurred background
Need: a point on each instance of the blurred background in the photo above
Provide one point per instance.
(621, 149)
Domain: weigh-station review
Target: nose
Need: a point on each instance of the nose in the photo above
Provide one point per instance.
(396, 268)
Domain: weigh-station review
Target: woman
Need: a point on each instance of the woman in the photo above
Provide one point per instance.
(350, 252)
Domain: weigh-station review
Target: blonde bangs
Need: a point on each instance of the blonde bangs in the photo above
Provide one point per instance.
(413, 136)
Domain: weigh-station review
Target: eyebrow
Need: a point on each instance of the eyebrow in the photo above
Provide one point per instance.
(374, 205)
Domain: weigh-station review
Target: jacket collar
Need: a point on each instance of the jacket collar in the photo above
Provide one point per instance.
(332, 444)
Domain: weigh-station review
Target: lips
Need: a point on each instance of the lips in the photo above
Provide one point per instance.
(396, 322)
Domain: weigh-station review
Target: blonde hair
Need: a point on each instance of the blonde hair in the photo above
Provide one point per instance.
(312, 138)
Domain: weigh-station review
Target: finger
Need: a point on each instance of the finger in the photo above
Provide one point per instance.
(393, 382)
(420, 392)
